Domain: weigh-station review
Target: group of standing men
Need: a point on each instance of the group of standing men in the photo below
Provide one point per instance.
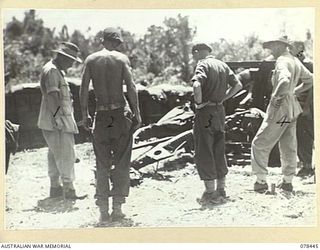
(290, 81)
(115, 120)
(117, 117)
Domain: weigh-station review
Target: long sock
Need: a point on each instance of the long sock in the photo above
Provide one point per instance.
(54, 182)
(210, 186)
(287, 179)
(104, 208)
(221, 183)
(68, 185)
(307, 165)
(116, 205)
(261, 179)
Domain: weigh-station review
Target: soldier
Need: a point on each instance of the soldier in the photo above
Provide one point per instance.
(305, 122)
(12, 136)
(112, 132)
(279, 123)
(56, 119)
(210, 84)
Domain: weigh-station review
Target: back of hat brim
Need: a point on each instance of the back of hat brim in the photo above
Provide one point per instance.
(119, 39)
(268, 43)
(201, 46)
(114, 39)
(70, 56)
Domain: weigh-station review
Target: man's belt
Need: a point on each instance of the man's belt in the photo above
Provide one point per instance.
(205, 104)
(108, 107)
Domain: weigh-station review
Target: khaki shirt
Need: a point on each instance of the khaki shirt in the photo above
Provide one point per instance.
(215, 76)
(52, 79)
(289, 71)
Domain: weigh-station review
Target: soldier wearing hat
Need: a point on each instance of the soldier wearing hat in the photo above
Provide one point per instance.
(56, 119)
(210, 83)
(305, 122)
(279, 123)
(113, 127)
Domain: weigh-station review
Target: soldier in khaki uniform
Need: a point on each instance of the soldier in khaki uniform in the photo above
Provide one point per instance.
(213, 83)
(279, 123)
(57, 121)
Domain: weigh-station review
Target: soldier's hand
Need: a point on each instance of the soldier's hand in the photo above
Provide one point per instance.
(244, 75)
(137, 122)
(58, 124)
(87, 123)
(276, 101)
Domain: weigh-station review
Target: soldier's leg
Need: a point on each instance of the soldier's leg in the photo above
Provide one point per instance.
(67, 159)
(305, 140)
(203, 146)
(66, 165)
(103, 155)
(288, 153)
(204, 156)
(52, 139)
(53, 171)
(262, 144)
(221, 162)
(121, 172)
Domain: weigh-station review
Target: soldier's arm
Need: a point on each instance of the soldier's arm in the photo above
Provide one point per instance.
(53, 96)
(51, 80)
(283, 77)
(197, 92)
(307, 80)
(54, 103)
(132, 93)
(84, 95)
(200, 76)
(235, 84)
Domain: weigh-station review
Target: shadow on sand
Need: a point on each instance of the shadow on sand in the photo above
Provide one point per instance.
(55, 205)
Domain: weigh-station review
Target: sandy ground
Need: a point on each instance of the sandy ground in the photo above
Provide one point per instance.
(165, 199)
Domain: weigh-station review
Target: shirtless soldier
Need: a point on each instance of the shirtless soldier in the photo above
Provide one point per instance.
(108, 70)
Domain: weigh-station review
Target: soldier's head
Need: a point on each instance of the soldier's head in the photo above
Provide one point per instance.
(277, 46)
(66, 55)
(111, 38)
(200, 51)
(297, 49)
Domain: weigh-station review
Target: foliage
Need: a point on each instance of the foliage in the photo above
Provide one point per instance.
(168, 48)
(27, 46)
(162, 55)
(248, 49)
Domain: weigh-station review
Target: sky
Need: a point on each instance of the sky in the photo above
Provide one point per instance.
(211, 24)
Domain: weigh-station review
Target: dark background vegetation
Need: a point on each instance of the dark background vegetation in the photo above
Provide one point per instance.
(161, 55)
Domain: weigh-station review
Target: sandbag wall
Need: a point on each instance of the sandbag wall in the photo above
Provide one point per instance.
(22, 107)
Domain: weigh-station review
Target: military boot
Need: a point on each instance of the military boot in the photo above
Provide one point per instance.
(117, 213)
(221, 184)
(69, 193)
